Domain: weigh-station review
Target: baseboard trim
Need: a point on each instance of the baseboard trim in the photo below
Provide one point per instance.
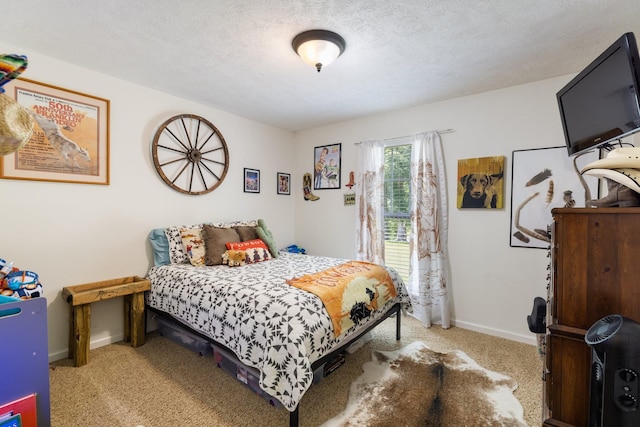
(63, 354)
(526, 339)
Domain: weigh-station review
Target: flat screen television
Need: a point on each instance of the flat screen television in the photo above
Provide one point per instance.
(600, 105)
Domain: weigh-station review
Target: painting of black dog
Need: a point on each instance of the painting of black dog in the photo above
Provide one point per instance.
(479, 190)
(481, 183)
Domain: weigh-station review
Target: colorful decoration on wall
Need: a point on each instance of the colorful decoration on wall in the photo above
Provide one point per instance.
(327, 161)
(352, 180)
(70, 137)
(349, 199)
(284, 183)
(481, 183)
(11, 66)
(306, 188)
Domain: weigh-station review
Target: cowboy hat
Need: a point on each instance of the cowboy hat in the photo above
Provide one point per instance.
(625, 176)
(16, 125)
(625, 157)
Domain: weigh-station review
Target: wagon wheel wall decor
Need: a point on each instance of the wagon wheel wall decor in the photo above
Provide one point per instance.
(190, 154)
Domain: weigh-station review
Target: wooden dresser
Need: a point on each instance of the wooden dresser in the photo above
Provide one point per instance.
(595, 272)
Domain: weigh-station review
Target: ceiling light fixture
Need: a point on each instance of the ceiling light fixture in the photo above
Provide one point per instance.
(318, 47)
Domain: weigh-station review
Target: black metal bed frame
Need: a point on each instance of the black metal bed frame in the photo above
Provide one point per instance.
(294, 415)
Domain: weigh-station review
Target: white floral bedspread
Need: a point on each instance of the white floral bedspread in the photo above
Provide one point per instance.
(272, 326)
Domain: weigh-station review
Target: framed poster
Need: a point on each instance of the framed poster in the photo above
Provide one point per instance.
(544, 179)
(70, 140)
(251, 180)
(481, 183)
(327, 160)
(284, 183)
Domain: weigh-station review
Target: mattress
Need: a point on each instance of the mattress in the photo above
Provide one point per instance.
(269, 325)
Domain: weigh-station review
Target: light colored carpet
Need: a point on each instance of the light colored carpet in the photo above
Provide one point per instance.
(162, 384)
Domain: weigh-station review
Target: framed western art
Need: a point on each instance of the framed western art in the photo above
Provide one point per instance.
(284, 183)
(327, 161)
(70, 139)
(251, 180)
(481, 183)
(543, 179)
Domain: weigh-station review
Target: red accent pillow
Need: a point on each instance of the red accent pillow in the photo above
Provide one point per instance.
(256, 250)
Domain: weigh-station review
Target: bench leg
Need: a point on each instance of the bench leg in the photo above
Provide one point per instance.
(136, 307)
(81, 320)
(72, 332)
(128, 316)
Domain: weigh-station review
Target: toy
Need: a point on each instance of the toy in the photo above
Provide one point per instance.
(267, 237)
(5, 268)
(21, 278)
(18, 289)
(18, 283)
(234, 258)
(295, 249)
(32, 290)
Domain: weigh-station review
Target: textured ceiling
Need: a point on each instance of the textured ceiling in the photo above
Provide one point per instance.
(236, 55)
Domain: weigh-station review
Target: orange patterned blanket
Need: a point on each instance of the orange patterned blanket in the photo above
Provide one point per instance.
(349, 291)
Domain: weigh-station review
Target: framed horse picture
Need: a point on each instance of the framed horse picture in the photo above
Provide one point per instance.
(70, 138)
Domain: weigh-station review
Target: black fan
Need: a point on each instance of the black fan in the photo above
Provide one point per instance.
(615, 372)
(603, 329)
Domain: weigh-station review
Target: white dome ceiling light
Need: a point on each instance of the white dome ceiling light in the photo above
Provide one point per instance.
(318, 47)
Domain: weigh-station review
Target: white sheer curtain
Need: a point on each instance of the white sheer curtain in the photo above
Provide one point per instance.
(427, 284)
(369, 202)
(429, 228)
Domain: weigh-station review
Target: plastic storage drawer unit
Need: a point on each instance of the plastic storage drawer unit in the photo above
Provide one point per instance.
(248, 376)
(183, 337)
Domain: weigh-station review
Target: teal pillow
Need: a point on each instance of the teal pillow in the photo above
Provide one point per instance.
(160, 245)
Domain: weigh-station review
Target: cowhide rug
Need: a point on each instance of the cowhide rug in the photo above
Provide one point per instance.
(415, 386)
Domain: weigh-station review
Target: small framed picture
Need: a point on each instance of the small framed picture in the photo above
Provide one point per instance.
(326, 167)
(284, 183)
(251, 180)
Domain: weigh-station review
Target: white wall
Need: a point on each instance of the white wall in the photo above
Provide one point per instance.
(492, 284)
(77, 233)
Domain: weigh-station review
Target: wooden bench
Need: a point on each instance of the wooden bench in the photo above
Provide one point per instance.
(80, 298)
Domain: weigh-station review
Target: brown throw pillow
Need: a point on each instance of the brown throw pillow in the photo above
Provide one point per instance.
(215, 240)
(246, 233)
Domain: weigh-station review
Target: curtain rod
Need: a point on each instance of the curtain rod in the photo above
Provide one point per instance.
(407, 136)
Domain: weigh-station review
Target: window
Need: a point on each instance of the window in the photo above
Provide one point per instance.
(397, 217)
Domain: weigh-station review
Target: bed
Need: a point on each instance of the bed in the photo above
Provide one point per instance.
(259, 312)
